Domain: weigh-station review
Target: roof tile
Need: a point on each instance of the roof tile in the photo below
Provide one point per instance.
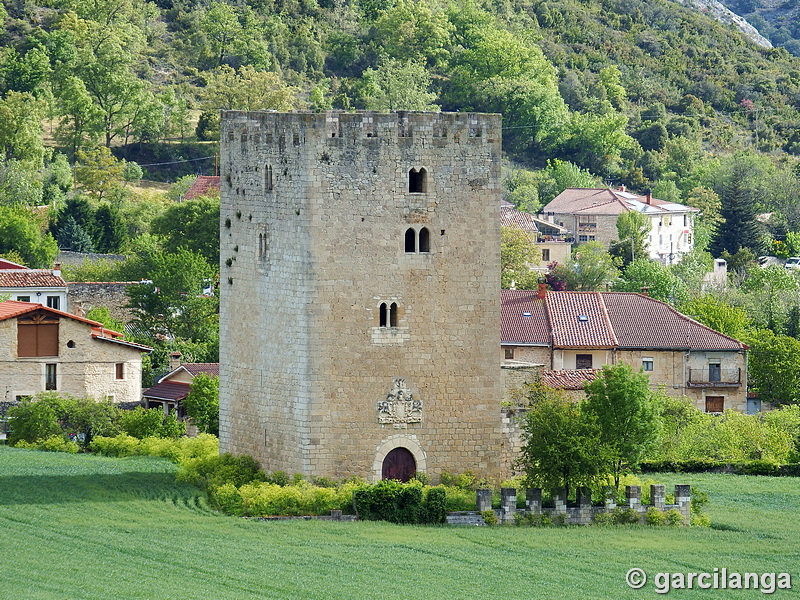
(569, 379)
(21, 278)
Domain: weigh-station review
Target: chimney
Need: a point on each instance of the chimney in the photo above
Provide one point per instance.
(622, 188)
(541, 292)
(649, 196)
(57, 269)
(174, 360)
(645, 290)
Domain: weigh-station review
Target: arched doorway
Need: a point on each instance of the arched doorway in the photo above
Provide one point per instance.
(399, 464)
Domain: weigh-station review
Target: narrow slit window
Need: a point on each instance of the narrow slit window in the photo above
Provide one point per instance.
(417, 181)
(268, 178)
(411, 240)
(50, 374)
(393, 315)
(424, 240)
(383, 317)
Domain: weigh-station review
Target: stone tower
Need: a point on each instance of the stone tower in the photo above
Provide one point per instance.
(360, 284)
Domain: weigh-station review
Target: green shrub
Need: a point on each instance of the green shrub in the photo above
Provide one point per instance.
(279, 478)
(269, 499)
(761, 467)
(391, 501)
(211, 472)
(544, 519)
(118, 446)
(142, 423)
(489, 517)
(603, 518)
(654, 516)
(458, 499)
(700, 520)
(625, 516)
(436, 505)
(54, 443)
(674, 517)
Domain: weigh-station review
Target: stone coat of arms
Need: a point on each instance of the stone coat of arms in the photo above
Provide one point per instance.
(399, 409)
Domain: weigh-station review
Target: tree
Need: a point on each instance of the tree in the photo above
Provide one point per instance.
(99, 172)
(192, 224)
(20, 232)
(112, 232)
(632, 230)
(142, 423)
(717, 314)
(102, 314)
(590, 268)
(411, 31)
(202, 403)
(221, 25)
(773, 367)
(517, 253)
(73, 237)
(560, 443)
(627, 412)
(21, 129)
(659, 280)
(739, 228)
(247, 89)
(396, 85)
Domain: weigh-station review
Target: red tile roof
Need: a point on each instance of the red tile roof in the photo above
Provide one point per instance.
(569, 379)
(7, 264)
(606, 201)
(207, 368)
(203, 185)
(167, 390)
(22, 278)
(511, 217)
(613, 320)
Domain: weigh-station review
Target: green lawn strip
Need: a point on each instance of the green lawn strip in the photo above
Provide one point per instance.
(78, 526)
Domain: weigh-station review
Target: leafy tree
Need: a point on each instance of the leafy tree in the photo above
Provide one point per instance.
(517, 254)
(773, 291)
(522, 189)
(412, 31)
(659, 280)
(632, 230)
(192, 224)
(27, 73)
(202, 403)
(718, 314)
(561, 445)
(773, 366)
(590, 268)
(20, 232)
(99, 172)
(396, 85)
(560, 175)
(247, 89)
(21, 128)
(627, 412)
(222, 27)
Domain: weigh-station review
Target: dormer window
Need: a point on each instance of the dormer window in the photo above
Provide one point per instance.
(417, 181)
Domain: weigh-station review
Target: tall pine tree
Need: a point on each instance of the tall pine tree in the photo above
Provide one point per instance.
(740, 229)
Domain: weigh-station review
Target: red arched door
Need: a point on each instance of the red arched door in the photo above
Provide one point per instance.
(399, 464)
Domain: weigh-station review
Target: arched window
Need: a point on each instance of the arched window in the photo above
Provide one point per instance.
(417, 181)
(424, 240)
(383, 319)
(411, 240)
(393, 315)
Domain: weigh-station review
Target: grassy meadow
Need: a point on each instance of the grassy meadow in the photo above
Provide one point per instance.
(87, 527)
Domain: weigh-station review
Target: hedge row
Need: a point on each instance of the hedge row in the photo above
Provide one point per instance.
(750, 467)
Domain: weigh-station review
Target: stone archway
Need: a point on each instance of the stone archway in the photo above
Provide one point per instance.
(404, 443)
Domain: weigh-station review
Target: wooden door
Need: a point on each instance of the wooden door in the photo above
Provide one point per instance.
(399, 464)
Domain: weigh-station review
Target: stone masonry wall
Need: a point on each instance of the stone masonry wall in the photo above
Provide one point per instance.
(315, 210)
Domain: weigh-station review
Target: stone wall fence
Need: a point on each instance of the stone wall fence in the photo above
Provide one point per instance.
(583, 513)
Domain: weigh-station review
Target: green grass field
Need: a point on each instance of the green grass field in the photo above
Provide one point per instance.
(87, 527)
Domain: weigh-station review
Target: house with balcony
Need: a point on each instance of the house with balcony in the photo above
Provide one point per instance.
(573, 334)
(592, 215)
(553, 242)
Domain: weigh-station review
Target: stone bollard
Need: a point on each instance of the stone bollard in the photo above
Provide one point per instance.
(658, 496)
(583, 496)
(483, 500)
(508, 504)
(683, 498)
(633, 495)
(560, 501)
(610, 493)
(336, 515)
(533, 501)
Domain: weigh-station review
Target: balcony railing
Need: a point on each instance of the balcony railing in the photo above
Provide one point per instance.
(715, 377)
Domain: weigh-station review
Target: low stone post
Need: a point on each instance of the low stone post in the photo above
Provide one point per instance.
(658, 496)
(560, 501)
(584, 498)
(483, 500)
(533, 500)
(633, 495)
(683, 498)
(610, 493)
(336, 515)
(508, 504)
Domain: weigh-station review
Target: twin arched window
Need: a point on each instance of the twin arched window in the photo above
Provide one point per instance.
(388, 314)
(412, 237)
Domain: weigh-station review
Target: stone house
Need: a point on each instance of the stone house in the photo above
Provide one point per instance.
(572, 334)
(359, 312)
(592, 215)
(39, 286)
(45, 349)
(553, 242)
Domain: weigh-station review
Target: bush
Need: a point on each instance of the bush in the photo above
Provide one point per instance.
(211, 472)
(533, 520)
(55, 443)
(761, 467)
(391, 501)
(654, 516)
(436, 505)
(181, 451)
(490, 518)
(142, 423)
(268, 499)
(674, 517)
(118, 446)
(625, 516)
(458, 499)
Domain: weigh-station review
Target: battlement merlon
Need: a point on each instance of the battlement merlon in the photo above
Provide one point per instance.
(338, 125)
